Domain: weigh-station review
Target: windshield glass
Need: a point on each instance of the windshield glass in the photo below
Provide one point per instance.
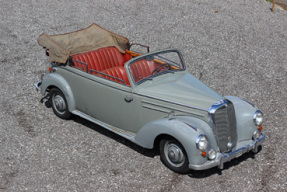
(155, 64)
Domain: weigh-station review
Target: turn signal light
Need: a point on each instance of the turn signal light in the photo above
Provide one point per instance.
(203, 153)
(260, 128)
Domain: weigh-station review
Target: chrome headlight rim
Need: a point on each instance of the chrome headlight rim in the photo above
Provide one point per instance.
(201, 142)
(258, 118)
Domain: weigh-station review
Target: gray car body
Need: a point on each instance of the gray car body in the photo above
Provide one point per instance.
(174, 104)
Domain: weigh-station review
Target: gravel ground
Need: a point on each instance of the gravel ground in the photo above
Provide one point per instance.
(236, 47)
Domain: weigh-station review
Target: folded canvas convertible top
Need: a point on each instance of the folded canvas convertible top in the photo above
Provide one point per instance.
(62, 46)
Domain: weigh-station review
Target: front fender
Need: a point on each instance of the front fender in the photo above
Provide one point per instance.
(244, 118)
(56, 80)
(185, 133)
(203, 128)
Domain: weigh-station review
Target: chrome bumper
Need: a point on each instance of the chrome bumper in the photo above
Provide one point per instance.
(225, 157)
(37, 85)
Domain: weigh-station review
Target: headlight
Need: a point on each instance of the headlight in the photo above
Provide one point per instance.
(201, 142)
(258, 118)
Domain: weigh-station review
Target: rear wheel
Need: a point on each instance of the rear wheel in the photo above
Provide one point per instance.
(173, 155)
(59, 104)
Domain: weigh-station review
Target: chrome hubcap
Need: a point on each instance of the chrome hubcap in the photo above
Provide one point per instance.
(174, 154)
(59, 103)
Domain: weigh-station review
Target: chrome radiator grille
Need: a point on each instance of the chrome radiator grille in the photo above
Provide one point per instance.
(225, 127)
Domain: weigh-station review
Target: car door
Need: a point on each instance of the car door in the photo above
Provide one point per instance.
(112, 103)
(107, 101)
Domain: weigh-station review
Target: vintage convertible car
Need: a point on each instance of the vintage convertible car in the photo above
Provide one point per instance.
(149, 99)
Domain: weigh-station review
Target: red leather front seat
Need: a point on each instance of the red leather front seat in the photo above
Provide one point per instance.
(142, 69)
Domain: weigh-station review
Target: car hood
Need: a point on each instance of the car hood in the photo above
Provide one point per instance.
(181, 88)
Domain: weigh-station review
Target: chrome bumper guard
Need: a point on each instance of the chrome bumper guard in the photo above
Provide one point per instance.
(37, 85)
(225, 157)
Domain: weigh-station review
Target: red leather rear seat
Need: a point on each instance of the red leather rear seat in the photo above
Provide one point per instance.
(101, 59)
(118, 72)
(142, 69)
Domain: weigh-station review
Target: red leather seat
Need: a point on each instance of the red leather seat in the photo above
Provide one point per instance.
(101, 59)
(142, 69)
(118, 72)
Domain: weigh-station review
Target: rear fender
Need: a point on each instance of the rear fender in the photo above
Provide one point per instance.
(56, 80)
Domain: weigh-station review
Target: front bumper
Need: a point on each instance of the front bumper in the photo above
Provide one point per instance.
(225, 157)
(37, 85)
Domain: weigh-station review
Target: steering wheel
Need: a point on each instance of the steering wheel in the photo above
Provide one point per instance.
(157, 69)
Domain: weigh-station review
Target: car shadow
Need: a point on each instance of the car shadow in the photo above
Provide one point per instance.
(146, 152)
(154, 152)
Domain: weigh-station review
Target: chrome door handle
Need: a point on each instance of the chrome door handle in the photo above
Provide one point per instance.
(128, 99)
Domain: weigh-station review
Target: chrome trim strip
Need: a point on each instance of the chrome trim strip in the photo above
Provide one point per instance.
(225, 157)
(252, 104)
(172, 102)
(156, 109)
(126, 134)
(146, 103)
(188, 124)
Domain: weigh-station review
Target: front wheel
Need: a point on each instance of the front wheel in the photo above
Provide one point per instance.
(59, 104)
(173, 155)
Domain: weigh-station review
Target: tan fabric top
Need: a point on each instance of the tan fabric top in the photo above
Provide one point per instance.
(62, 46)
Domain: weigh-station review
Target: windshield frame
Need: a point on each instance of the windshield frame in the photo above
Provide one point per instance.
(157, 74)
